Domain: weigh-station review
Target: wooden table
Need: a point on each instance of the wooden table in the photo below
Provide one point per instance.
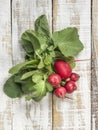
(51, 113)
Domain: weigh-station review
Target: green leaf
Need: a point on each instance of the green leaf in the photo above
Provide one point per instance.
(20, 66)
(37, 76)
(73, 64)
(29, 67)
(27, 85)
(17, 78)
(28, 97)
(67, 40)
(71, 61)
(41, 64)
(48, 59)
(52, 53)
(33, 39)
(49, 88)
(42, 41)
(50, 48)
(29, 56)
(27, 75)
(40, 91)
(28, 47)
(41, 26)
(49, 68)
(37, 40)
(59, 55)
(38, 98)
(12, 89)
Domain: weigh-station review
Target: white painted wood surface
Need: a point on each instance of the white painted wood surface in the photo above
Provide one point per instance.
(17, 114)
(5, 64)
(94, 65)
(75, 115)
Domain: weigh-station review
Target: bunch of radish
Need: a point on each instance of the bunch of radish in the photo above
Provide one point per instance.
(63, 80)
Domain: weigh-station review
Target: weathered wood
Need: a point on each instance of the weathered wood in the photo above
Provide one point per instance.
(5, 64)
(29, 115)
(75, 115)
(67, 114)
(94, 65)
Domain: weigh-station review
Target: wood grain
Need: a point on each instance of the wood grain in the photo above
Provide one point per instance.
(5, 64)
(75, 115)
(17, 114)
(94, 65)
(29, 115)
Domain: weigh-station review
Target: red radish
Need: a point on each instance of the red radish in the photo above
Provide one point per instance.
(70, 86)
(63, 69)
(60, 92)
(74, 77)
(54, 79)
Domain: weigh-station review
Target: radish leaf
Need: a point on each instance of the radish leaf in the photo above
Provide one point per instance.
(67, 40)
(41, 26)
(12, 89)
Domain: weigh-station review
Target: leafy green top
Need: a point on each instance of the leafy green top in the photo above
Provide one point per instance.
(41, 48)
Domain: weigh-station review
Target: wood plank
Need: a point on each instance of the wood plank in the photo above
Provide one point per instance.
(5, 64)
(94, 65)
(75, 115)
(29, 115)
